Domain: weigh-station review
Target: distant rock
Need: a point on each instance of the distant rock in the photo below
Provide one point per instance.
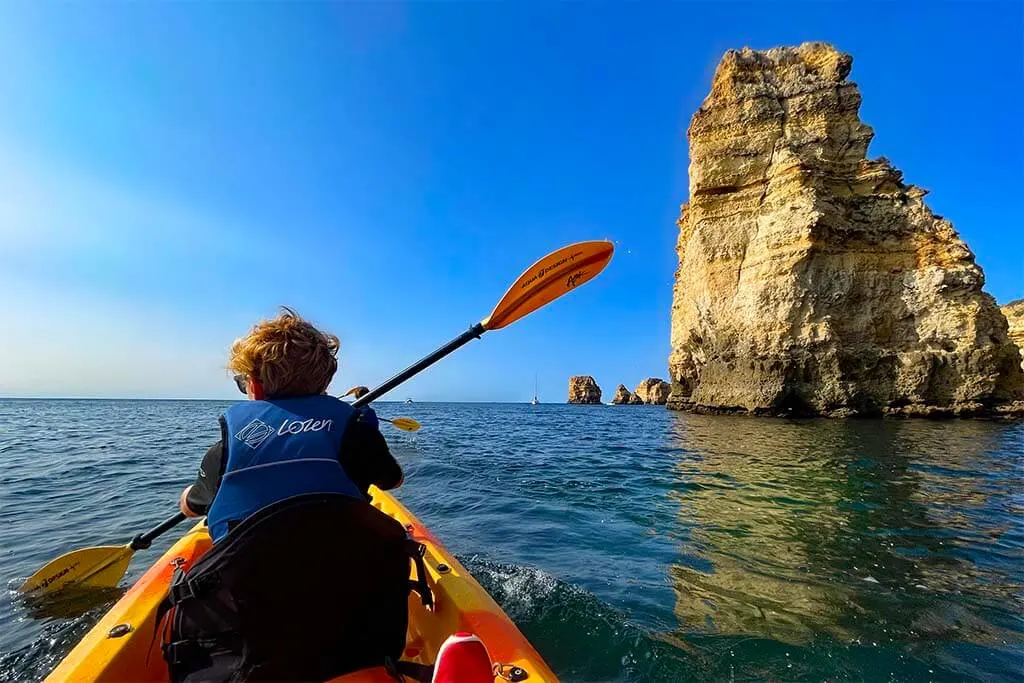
(1014, 312)
(583, 389)
(635, 400)
(653, 391)
(815, 281)
(622, 396)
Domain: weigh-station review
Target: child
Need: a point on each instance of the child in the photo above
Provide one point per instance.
(291, 438)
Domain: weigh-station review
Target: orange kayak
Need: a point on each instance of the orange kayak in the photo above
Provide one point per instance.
(121, 646)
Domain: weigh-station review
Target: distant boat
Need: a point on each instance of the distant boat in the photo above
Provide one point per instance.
(534, 401)
(408, 400)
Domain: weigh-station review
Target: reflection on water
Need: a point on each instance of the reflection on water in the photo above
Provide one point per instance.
(869, 532)
(70, 602)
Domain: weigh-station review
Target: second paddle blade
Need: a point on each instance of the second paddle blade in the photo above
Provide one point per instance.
(100, 567)
(405, 423)
(549, 278)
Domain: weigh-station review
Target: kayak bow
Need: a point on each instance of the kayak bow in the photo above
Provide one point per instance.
(123, 645)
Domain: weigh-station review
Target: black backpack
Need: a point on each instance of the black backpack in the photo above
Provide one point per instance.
(306, 589)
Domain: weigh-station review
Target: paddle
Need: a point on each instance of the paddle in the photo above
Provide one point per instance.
(549, 278)
(100, 567)
(406, 424)
(103, 566)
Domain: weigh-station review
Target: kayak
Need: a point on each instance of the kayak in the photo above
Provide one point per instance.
(123, 645)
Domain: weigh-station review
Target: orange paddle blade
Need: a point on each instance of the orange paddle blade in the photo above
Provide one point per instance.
(549, 278)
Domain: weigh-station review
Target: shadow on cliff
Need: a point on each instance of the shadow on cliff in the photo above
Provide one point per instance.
(867, 532)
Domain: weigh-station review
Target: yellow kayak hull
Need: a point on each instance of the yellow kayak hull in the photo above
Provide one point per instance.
(123, 645)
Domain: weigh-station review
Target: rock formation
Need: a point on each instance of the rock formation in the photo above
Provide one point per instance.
(622, 396)
(653, 390)
(635, 400)
(812, 280)
(1014, 312)
(583, 389)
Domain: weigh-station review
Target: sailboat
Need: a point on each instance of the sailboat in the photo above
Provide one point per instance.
(534, 401)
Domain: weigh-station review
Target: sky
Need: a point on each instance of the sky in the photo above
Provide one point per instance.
(172, 172)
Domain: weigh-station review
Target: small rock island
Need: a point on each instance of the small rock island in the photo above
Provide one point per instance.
(583, 389)
(652, 391)
(812, 280)
(622, 396)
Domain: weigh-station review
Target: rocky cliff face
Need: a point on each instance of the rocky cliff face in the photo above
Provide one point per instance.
(811, 279)
(653, 390)
(583, 389)
(622, 396)
(1014, 313)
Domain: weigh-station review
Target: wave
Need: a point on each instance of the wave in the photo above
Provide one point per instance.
(581, 637)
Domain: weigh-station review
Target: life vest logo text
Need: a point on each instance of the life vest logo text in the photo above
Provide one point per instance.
(300, 426)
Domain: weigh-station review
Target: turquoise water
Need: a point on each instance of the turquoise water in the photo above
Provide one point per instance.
(628, 543)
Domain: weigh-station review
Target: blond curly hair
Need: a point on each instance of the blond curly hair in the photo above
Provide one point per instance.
(287, 355)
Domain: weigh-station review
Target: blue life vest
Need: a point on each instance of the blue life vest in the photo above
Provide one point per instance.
(277, 449)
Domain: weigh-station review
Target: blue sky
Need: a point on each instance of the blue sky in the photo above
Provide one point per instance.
(173, 171)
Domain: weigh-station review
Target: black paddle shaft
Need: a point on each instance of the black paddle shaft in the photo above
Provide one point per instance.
(469, 335)
(143, 541)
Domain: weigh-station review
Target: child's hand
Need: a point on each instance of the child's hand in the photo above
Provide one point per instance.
(357, 392)
(369, 417)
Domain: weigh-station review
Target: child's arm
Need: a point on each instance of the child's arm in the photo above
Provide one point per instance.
(366, 457)
(196, 499)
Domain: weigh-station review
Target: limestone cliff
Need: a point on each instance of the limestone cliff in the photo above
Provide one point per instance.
(812, 280)
(583, 389)
(1014, 312)
(653, 390)
(622, 396)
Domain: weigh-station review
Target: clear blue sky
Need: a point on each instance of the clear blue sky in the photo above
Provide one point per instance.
(172, 171)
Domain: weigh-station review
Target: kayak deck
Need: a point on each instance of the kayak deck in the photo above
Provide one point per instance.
(123, 645)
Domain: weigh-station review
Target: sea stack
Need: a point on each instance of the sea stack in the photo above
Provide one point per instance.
(622, 396)
(815, 281)
(653, 391)
(583, 389)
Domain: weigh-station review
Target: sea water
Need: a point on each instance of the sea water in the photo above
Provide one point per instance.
(628, 543)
